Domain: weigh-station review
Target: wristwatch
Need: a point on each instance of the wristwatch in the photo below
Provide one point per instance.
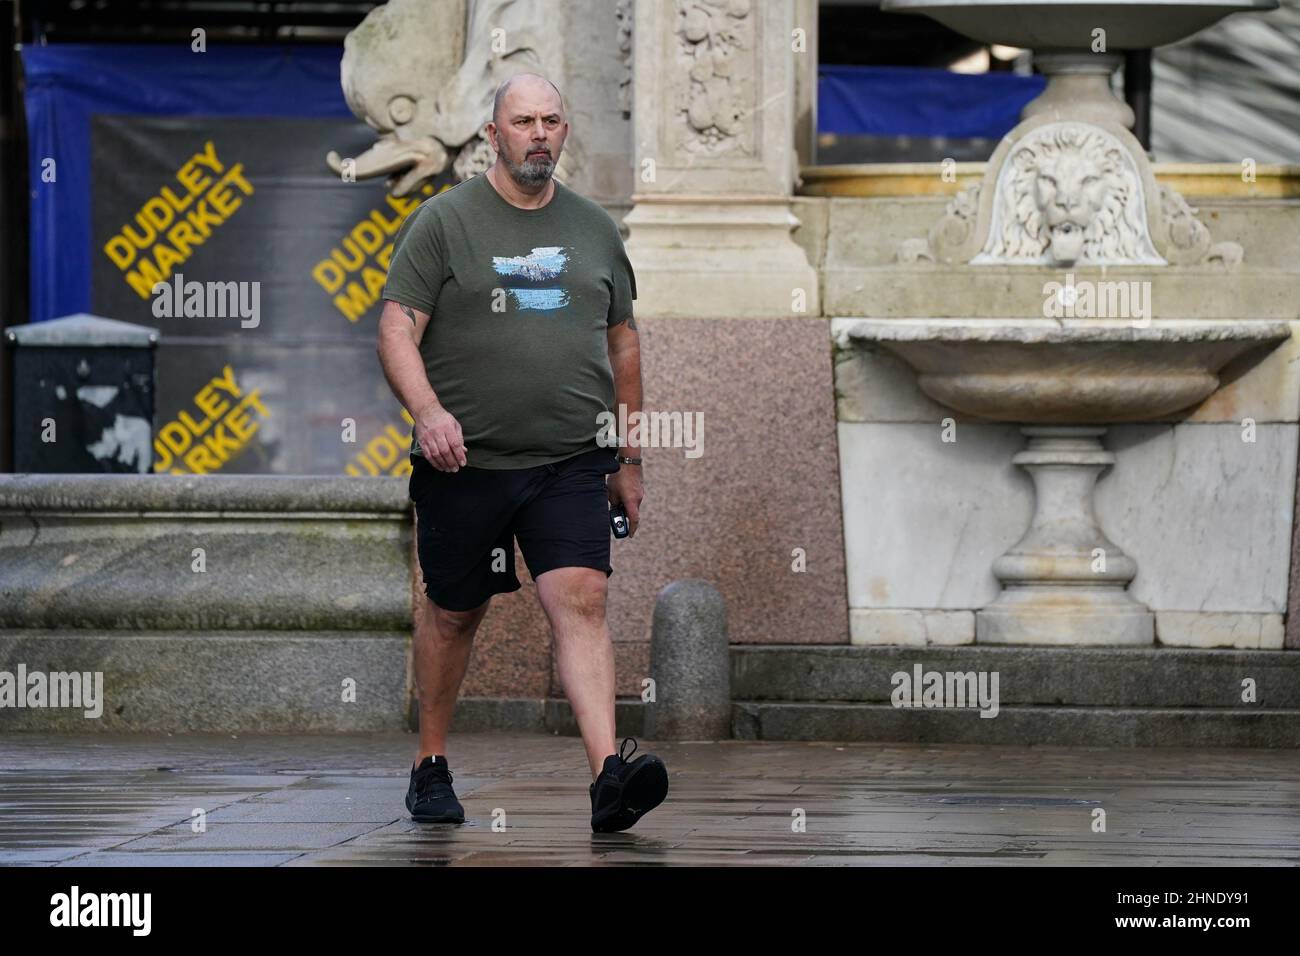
(625, 460)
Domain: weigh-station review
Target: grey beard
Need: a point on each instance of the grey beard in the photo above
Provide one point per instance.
(529, 174)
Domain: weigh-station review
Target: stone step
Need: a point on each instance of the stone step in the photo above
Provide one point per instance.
(883, 723)
(1062, 677)
(212, 682)
(266, 681)
(1018, 725)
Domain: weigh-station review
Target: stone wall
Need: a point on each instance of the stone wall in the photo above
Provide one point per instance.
(209, 604)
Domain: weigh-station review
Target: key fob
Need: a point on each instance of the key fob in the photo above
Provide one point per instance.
(618, 521)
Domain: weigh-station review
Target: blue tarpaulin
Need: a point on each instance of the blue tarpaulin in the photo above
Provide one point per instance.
(69, 83)
(907, 101)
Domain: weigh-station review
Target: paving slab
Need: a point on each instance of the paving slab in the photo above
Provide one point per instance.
(337, 800)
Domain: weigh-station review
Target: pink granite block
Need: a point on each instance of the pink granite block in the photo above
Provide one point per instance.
(766, 483)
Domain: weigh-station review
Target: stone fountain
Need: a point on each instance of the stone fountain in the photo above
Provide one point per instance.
(1067, 353)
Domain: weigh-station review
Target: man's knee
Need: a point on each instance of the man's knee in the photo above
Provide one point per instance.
(575, 592)
(458, 623)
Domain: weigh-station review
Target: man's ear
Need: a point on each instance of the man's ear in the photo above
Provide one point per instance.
(490, 129)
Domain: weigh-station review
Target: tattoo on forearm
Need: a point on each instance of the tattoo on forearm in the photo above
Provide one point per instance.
(406, 310)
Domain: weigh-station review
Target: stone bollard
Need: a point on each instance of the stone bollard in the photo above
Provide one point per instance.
(690, 662)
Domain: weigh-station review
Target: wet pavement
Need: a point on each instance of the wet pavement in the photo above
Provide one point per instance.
(322, 800)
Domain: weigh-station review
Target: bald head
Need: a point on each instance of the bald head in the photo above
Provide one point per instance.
(532, 81)
(528, 129)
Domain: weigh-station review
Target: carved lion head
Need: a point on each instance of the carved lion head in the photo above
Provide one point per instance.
(1068, 193)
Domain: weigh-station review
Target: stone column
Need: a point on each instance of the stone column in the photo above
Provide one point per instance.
(1065, 582)
(805, 84)
(713, 113)
(754, 506)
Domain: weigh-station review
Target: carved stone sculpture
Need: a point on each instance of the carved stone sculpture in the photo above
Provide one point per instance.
(1065, 193)
(422, 73)
(716, 52)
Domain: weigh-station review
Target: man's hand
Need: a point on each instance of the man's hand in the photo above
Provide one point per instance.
(440, 438)
(625, 488)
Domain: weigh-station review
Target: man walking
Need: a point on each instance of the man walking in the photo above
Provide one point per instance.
(507, 331)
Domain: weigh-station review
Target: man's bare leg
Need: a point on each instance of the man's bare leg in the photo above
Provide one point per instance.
(442, 644)
(574, 602)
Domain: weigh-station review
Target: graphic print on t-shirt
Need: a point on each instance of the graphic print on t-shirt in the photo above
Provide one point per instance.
(543, 264)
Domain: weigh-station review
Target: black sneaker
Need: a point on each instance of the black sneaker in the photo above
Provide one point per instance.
(430, 797)
(624, 792)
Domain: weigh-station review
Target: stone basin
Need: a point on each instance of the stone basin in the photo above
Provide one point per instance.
(1065, 581)
(1067, 372)
(1068, 25)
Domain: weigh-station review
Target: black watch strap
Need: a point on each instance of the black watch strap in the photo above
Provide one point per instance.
(625, 460)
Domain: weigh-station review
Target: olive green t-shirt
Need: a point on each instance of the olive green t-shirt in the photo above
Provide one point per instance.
(520, 301)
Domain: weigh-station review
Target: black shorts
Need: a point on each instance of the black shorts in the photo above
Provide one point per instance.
(466, 523)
